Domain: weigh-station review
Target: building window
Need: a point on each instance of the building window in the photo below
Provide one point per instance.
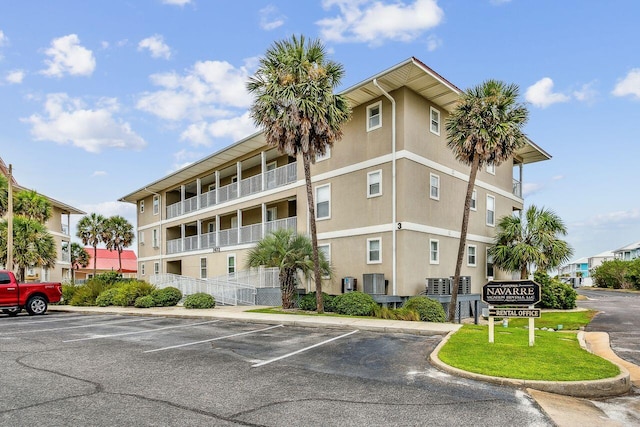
(491, 210)
(434, 251)
(490, 273)
(325, 156)
(326, 250)
(491, 168)
(474, 200)
(434, 120)
(203, 268)
(434, 191)
(156, 205)
(156, 268)
(142, 269)
(141, 206)
(45, 275)
(272, 214)
(156, 244)
(374, 251)
(211, 227)
(374, 116)
(141, 237)
(374, 183)
(323, 202)
(231, 263)
(471, 255)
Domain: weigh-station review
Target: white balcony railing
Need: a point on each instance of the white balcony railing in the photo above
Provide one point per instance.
(517, 188)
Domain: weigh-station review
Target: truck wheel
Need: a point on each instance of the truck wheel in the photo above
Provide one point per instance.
(11, 311)
(36, 305)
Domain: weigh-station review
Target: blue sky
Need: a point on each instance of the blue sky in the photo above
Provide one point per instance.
(99, 98)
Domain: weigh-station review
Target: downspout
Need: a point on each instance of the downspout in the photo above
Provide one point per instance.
(393, 186)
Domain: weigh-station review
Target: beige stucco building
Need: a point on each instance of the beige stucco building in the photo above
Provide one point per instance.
(389, 196)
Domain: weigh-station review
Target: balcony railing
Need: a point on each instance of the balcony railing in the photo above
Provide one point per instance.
(65, 229)
(517, 188)
(229, 237)
(273, 179)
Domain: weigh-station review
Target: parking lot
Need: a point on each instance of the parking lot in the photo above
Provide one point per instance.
(70, 369)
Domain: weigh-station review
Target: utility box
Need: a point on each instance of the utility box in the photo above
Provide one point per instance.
(349, 284)
(374, 284)
(438, 286)
(464, 285)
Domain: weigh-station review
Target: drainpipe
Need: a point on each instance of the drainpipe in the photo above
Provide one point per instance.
(393, 185)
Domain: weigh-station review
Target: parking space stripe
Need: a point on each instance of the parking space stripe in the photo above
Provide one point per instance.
(141, 332)
(213, 339)
(302, 350)
(76, 327)
(57, 319)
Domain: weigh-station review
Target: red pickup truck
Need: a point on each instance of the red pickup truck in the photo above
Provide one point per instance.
(33, 297)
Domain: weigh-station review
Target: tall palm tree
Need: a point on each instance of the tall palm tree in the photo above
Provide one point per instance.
(295, 105)
(484, 128)
(32, 205)
(33, 245)
(118, 235)
(79, 259)
(289, 252)
(522, 243)
(4, 189)
(91, 230)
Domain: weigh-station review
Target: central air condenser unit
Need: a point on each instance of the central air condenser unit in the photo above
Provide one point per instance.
(374, 284)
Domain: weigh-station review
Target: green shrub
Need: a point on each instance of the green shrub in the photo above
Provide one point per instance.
(68, 290)
(144, 302)
(199, 300)
(428, 309)
(85, 295)
(129, 291)
(404, 313)
(106, 297)
(166, 297)
(354, 304)
(308, 302)
(555, 294)
(108, 279)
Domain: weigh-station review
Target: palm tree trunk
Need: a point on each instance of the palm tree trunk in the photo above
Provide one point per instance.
(306, 161)
(524, 273)
(95, 258)
(287, 286)
(120, 261)
(463, 237)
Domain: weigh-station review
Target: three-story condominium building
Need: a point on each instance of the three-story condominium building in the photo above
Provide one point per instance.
(389, 196)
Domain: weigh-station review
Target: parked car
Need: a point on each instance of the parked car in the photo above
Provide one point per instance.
(33, 297)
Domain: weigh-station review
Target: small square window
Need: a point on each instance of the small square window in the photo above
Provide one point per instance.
(374, 116)
(434, 251)
(474, 200)
(374, 251)
(231, 264)
(374, 183)
(156, 268)
(434, 120)
(434, 191)
(323, 202)
(471, 255)
(203, 268)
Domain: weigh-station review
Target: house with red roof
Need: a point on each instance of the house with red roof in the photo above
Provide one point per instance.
(107, 261)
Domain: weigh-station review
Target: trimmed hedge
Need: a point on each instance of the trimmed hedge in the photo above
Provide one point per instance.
(144, 302)
(354, 304)
(308, 302)
(555, 294)
(428, 309)
(166, 297)
(199, 300)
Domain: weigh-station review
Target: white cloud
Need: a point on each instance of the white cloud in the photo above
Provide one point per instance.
(4, 40)
(104, 44)
(156, 45)
(203, 133)
(211, 89)
(68, 121)
(541, 94)
(271, 18)
(376, 21)
(99, 173)
(529, 188)
(184, 158)
(433, 43)
(176, 2)
(66, 55)
(629, 85)
(15, 77)
(499, 2)
(586, 93)
(612, 219)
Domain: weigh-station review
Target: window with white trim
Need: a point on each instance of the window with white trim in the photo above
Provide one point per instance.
(156, 243)
(374, 183)
(141, 206)
(434, 251)
(141, 237)
(272, 214)
(491, 168)
(156, 268)
(491, 210)
(434, 186)
(326, 250)
(325, 156)
(489, 265)
(374, 116)
(474, 200)
(323, 201)
(203, 268)
(374, 250)
(471, 255)
(231, 263)
(156, 205)
(434, 120)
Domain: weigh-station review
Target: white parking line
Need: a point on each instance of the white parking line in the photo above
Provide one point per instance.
(140, 332)
(76, 327)
(301, 350)
(57, 319)
(213, 339)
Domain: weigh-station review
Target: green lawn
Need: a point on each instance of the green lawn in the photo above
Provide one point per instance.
(570, 320)
(556, 356)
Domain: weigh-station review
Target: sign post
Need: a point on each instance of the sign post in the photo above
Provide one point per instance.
(508, 298)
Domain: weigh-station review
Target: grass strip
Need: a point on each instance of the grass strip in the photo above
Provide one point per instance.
(555, 356)
(570, 320)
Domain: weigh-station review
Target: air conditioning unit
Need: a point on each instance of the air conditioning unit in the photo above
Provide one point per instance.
(438, 286)
(374, 284)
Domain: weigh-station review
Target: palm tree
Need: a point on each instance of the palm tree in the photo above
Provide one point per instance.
(295, 105)
(484, 128)
(33, 245)
(290, 253)
(91, 230)
(32, 205)
(118, 235)
(79, 258)
(4, 189)
(522, 243)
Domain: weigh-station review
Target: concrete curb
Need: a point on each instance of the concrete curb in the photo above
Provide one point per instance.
(608, 387)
